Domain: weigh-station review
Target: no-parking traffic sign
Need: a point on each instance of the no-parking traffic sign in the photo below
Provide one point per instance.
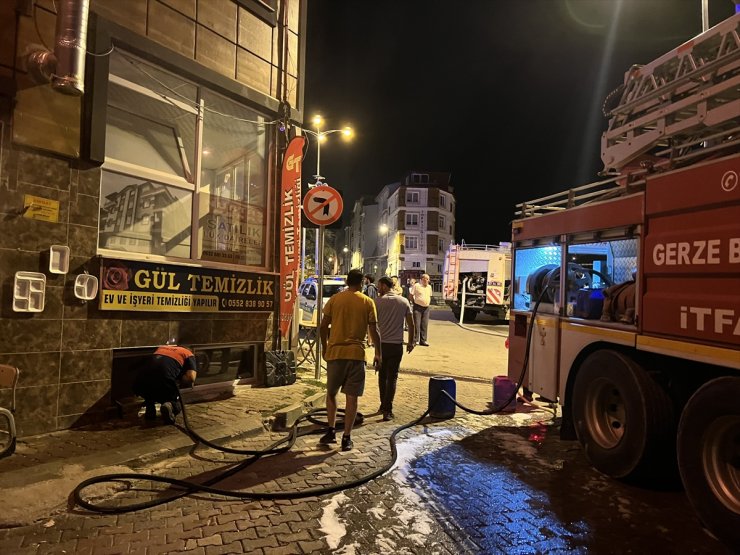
(323, 205)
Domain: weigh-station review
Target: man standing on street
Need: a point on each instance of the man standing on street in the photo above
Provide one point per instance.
(393, 309)
(421, 297)
(351, 316)
(370, 289)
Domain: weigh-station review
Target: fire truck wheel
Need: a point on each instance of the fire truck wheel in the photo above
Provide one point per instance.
(709, 456)
(624, 420)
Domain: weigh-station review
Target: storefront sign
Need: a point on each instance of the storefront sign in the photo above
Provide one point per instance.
(146, 287)
(290, 230)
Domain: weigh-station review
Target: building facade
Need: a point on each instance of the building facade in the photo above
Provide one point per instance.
(416, 225)
(363, 236)
(161, 179)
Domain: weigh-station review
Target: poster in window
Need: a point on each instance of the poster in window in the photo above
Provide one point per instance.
(140, 215)
(233, 229)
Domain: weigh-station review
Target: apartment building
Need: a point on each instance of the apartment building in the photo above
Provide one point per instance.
(157, 171)
(416, 223)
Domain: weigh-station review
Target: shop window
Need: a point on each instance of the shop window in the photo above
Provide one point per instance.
(233, 185)
(149, 192)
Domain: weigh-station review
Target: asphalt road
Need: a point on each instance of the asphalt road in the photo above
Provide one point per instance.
(475, 350)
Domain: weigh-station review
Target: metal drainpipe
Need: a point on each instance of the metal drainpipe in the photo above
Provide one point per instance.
(65, 68)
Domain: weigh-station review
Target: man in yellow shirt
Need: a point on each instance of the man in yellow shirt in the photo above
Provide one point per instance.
(351, 316)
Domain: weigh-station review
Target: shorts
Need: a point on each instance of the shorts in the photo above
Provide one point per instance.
(347, 374)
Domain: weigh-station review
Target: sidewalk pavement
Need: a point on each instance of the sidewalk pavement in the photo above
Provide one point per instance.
(38, 478)
(45, 468)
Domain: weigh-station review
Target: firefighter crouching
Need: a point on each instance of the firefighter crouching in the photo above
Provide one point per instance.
(158, 379)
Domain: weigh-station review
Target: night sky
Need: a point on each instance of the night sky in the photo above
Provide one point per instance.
(505, 94)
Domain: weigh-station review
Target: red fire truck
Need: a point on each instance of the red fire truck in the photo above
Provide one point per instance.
(626, 292)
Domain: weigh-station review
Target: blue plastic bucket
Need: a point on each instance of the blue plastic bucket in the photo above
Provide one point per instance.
(443, 407)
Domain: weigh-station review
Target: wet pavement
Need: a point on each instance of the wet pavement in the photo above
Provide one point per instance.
(495, 484)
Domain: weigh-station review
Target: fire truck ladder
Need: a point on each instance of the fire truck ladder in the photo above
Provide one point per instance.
(450, 278)
(687, 97)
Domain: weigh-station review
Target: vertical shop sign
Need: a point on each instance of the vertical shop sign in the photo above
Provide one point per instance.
(290, 230)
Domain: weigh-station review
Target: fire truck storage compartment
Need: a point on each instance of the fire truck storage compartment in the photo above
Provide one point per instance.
(543, 356)
(592, 267)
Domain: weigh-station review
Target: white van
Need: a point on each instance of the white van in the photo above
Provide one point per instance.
(308, 293)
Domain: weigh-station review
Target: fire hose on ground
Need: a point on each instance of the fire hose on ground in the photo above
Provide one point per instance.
(281, 446)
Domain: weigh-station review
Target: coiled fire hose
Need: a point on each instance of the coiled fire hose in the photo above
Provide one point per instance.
(280, 446)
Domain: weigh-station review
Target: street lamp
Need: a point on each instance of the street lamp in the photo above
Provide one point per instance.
(321, 136)
(318, 121)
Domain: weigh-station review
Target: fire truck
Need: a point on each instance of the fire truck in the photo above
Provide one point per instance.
(476, 280)
(626, 292)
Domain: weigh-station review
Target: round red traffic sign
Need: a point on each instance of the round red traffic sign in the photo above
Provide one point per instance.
(323, 205)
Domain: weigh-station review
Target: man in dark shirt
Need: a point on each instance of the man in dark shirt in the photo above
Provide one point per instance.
(157, 381)
(393, 311)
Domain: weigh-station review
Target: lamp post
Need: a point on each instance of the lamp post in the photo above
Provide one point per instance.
(321, 136)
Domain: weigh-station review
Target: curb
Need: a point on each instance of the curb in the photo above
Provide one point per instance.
(286, 417)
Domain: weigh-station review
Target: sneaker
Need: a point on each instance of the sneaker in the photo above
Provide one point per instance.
(168, 413)
(346, 443)
(328, 437)
(150, 413)
(388, 416)
(424, 344)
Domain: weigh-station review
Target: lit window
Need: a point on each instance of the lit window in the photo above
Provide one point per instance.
(148, 188)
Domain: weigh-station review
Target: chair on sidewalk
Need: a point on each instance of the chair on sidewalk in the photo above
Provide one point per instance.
(9, 379)
(306, 350)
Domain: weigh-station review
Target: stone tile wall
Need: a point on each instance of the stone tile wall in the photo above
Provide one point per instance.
(65, 353)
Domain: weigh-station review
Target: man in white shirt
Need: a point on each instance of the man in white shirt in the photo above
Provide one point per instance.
(421, 297)
(392, 309)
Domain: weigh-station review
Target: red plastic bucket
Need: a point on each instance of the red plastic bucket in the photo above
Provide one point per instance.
(503, 389)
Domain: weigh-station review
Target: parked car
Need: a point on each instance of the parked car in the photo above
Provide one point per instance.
(308, 294)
